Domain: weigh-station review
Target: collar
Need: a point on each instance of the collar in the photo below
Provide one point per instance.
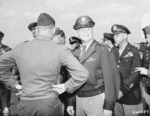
(43, 37)
(124, 46)
(88, 44)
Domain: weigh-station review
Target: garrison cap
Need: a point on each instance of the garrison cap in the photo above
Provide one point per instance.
(146, 29)
(83, 22)
(1, 34)
(73, 40)
(116, 29)
(32, 25)
(45, 19)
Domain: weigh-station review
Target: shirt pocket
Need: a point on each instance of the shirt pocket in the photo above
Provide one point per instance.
(127, 62)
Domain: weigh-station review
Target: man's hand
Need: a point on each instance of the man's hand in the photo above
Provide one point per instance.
(142, 70)
(120, 94)
(19, 89)
(70, 110)
(107, 113)
(59, 88)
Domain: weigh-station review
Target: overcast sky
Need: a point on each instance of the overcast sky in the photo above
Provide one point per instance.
(15, 15)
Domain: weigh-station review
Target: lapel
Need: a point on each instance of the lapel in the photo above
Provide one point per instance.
(90, 50)
(116, 52)
(126, 50)
(76, 53)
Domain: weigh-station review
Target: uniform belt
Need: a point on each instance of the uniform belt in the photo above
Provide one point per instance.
(90, 93)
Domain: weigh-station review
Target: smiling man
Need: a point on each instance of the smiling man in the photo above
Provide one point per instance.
(103, 74)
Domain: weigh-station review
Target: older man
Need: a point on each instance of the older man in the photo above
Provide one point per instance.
(99, 94)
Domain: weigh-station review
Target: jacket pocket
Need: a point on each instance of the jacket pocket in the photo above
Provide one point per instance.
(20, 106)
(54, 104)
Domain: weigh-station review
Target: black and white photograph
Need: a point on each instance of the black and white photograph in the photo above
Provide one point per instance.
(74, 57)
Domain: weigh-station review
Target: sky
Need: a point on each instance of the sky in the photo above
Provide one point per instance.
(16, 15)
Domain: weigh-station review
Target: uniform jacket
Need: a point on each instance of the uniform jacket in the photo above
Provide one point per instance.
(39, 62)
(127, 62)
(102, 72)
(3, 49)
(145, 50)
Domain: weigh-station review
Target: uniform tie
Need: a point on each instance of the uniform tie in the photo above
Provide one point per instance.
(83, 51)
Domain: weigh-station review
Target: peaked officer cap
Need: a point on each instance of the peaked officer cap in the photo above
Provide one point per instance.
(109, 36)
(147, 29)
(73, 40)
(83, 22)
(1, 34)
(116, 29)
(32, 25)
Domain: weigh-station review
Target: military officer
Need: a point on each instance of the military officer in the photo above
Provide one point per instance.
(98, 95)
(59, 36)
(4, 92)
(75, 43)
(128, 58)
(109, 40)
(145, 49)
(32, 27)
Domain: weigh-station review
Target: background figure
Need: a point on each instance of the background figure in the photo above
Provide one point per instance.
(14, 97)
(98, 95)
(75, 43)
(39, 62)
(4, 92)
(59, 36)
(32, 27)
(128, 58)
(109, 41)
(145, 50)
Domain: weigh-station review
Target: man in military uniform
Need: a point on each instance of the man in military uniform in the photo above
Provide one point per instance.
(32, 27)
(128, 58)
(145, 50)
(59, 36)
(75, 43)
(99, 94)
(39, 62)
(4, 92)
(109, 40)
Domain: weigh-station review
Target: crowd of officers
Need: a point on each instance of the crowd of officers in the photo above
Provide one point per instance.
(42, 77)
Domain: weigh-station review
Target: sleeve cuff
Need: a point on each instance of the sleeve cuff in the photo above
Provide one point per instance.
(108, 105)
(68, 89)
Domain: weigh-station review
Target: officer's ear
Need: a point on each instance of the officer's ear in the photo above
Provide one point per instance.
(53, 30)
